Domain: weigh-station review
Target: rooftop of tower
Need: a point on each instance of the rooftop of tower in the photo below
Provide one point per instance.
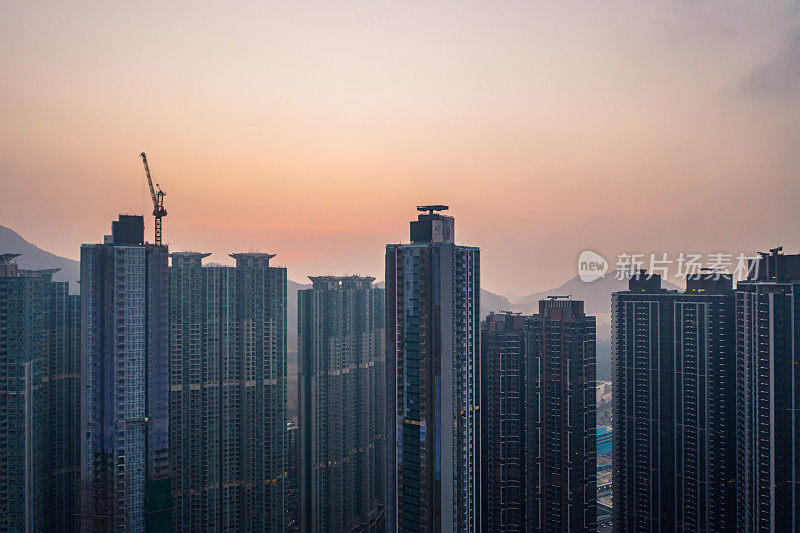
(252, 255)
(252, 259)
(362, 282)
(184, 259)
(431, 226)
(189, 254)
(342, 278)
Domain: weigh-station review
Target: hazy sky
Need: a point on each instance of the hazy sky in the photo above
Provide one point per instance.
(312, 129)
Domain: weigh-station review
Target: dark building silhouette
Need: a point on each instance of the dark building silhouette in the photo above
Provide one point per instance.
(125, 470)
(228, 393)
(561, 454)
(674, 405)
(538, 413)
(768, 395)
(433, 380)
(341, 404)
(503, 402)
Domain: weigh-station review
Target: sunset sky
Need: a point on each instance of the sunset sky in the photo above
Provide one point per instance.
(313, 129)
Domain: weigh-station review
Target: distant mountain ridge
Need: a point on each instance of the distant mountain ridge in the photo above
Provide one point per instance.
(595, 294)
(34, 258)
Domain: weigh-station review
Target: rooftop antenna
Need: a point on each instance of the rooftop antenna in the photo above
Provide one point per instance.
(432, 208)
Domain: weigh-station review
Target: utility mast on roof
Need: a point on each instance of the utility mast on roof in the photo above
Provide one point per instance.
(432, 208)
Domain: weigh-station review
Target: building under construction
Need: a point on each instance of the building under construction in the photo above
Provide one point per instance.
(125, 471)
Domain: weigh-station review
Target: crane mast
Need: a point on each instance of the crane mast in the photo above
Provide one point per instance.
(158, 200)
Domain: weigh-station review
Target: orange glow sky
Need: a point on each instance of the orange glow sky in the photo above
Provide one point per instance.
(312, 129)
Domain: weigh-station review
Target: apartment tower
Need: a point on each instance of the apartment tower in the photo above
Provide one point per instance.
(433, 443)
(341, 404)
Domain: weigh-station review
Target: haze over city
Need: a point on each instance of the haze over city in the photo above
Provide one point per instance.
(400, 267)
(312, 129)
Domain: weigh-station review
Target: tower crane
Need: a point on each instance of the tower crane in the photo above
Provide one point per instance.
(158, 200)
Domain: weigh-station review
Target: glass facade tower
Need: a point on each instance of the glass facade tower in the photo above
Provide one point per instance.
(433, 380)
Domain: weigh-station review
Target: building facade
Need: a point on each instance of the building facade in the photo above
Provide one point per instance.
(560, 398)
(24, 351)
(38, 396)
(768, 395)
(433, 380)
(125, 470)
(228, 393)
(674, 405)
(538, 406)
(503, 405)
(341, 370)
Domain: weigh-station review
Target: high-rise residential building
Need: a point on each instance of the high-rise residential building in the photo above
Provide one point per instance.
(503, 405)
(38, 392)
(23, 398)
(674, 405)
(196, 338)
(228, 393)
(538, 413)
(560, 397)
(433, 443)
(341, 404)
(768, 395)
(125, 470)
